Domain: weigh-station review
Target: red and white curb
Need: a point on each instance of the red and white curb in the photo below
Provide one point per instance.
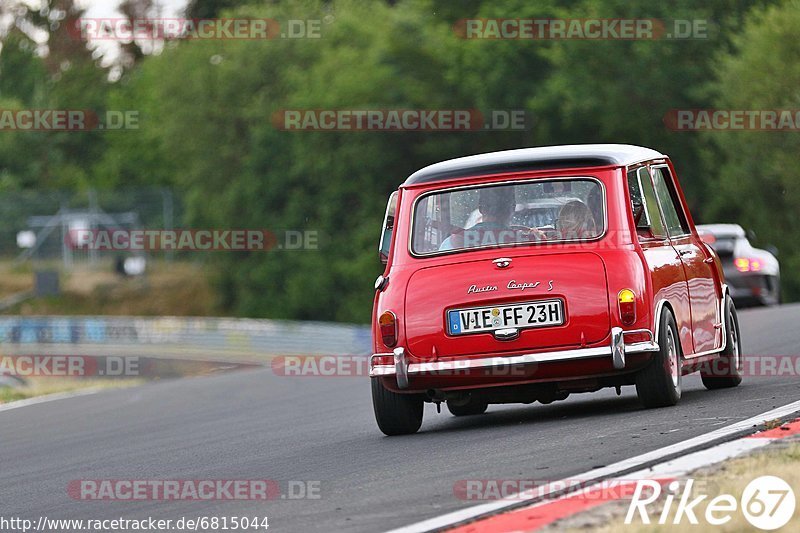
(549, 503)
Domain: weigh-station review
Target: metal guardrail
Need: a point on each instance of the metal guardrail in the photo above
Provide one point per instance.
(253, 337)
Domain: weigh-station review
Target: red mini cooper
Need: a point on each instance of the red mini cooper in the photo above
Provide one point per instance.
(527, 275)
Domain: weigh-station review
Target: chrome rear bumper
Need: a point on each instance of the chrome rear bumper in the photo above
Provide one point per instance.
(617, 350)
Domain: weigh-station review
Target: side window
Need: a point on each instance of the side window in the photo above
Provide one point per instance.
(644, 203)
(670, 204)
(637, 203)
(429, 216)
(388, 227)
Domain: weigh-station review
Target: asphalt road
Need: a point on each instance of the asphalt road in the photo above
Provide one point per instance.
(254, 424)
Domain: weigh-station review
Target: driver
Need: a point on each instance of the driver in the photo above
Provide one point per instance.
(496, 205)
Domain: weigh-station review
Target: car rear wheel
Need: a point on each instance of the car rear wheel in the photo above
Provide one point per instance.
(659, 383)
(396, 414)
(727, 369)
(776, 291)
(470, 408)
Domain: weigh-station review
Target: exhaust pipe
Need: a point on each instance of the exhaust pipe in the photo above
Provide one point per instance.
(435, 395)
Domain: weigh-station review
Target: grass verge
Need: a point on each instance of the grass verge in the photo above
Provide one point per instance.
(152, 369)
(50, 385)
(176, 288)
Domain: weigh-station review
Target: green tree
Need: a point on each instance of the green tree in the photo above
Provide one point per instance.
(22, 73)
(755, 180)
(65, 77)
(22, 82)
(619, 91)
(201, 9)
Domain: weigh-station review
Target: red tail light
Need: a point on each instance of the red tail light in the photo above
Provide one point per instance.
(746, 264)
(388, 326)
(627, 307)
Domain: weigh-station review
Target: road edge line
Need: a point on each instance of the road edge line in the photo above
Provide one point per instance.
(633, 464)
(16, 404)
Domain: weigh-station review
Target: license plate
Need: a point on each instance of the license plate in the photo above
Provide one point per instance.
(522, 315)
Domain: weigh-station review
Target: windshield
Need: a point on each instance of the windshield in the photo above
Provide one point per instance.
(509, 214)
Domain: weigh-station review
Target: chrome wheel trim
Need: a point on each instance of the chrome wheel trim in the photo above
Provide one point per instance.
(736, 356)
(672, 359)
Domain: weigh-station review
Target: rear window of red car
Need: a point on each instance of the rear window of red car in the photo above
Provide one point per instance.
(508, 214)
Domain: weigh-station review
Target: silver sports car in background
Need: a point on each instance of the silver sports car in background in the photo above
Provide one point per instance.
(753, 275)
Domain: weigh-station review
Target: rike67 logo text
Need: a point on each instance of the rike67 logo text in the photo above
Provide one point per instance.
(767, 503)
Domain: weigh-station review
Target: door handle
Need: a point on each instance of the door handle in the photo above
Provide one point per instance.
(708, 260)
(684, 252)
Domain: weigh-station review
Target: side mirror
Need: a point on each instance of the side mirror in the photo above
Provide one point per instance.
(771, 248)
(387, 229)
(751, 235)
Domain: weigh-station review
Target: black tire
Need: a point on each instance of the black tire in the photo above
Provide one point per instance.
(659, 383)
(728, 367)
(396, 414)
(778, 297)
(470, 408)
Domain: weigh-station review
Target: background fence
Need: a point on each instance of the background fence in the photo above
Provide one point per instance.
(50, 214)
(198, 338)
